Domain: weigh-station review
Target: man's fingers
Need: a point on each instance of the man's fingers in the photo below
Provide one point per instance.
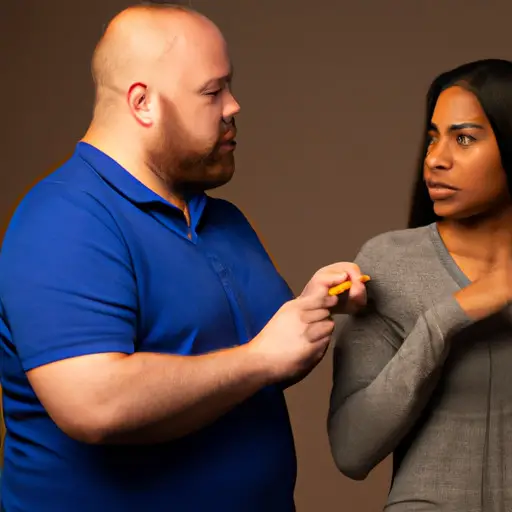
(356, 301)
(321, 300)
(354, 273)
(320, 330)
(351, 301)
(311, 316)
(342, 267)
(357, 293)
(320, 283)
(328, 279)
(332, 275)
(316, 294)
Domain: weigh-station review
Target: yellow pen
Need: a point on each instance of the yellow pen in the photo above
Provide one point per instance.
(343, 287)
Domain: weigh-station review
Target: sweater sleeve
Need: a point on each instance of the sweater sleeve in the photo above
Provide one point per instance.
(382, 379)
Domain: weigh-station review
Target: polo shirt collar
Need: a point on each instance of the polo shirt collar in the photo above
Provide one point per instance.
(129, 186)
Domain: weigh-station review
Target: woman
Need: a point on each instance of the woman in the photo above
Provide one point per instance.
(425, 372)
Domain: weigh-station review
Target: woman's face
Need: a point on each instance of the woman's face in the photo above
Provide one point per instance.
(463, 170)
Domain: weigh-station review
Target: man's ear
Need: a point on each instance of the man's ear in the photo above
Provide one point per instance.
(140, 105)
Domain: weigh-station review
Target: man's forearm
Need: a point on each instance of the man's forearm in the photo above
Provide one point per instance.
(151, 398)
(160, 397)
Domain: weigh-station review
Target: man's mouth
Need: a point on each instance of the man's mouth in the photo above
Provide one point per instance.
(228, 141)
(228, 136)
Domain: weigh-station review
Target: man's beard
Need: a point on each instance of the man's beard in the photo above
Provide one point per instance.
(186, 167)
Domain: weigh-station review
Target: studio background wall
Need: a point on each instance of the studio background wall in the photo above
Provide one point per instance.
(332, 99)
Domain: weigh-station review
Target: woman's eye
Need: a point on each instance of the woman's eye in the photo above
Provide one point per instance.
(465, 140)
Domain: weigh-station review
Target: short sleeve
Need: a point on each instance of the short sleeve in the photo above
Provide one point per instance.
(66, 282)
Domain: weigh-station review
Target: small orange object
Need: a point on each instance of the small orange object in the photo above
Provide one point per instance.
(343, 287)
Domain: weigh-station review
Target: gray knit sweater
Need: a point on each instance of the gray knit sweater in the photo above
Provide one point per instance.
(413, 376)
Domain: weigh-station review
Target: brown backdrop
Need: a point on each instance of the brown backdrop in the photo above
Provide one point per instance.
(332, 103)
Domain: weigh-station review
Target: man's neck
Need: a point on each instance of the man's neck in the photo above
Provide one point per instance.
(130, 158)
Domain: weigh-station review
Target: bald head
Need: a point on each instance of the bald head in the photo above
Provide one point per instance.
(146, 44)
(164, 105)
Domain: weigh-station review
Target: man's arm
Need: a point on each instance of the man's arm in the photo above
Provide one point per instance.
(146, 398)
(71, 304)
(70, 300)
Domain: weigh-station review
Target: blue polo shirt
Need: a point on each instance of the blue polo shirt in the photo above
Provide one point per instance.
(93, 261)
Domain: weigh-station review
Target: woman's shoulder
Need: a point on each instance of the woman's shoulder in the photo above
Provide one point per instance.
(406, 273)
(402, 249)
(400, 239)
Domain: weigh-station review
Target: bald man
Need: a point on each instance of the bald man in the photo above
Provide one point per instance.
(146, 336)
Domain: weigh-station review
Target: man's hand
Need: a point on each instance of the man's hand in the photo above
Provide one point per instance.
(350, 301)
(149, 398)
(297, 337)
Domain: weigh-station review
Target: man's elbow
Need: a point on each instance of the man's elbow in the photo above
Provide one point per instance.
(87, 427)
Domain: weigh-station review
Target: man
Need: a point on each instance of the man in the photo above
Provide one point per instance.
(147, 337)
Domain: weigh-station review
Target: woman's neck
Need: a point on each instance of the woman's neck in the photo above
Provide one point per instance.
(477, 238)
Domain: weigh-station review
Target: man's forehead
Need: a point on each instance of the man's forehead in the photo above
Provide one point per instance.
(216, 80)
(208, 63)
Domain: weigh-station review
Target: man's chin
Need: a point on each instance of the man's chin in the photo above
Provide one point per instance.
(220, 180)
(216, 176)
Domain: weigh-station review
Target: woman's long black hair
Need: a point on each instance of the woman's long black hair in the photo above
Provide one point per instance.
(490, 80)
